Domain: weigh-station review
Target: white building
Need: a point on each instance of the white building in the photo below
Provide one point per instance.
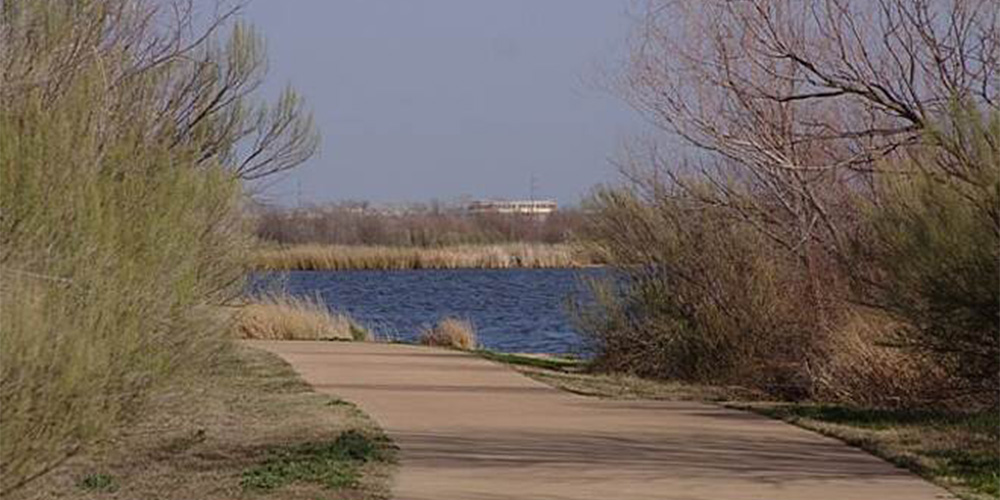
(522, 207)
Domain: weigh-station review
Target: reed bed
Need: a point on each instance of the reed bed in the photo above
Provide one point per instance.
(451, 332)
(286, 317)
(344, 257)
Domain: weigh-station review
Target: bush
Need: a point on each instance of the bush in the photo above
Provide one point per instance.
(111, 269)
(694, 295)
(818, 208)
(124, 137)
(451, 332)
(934, 251)
(906, 315)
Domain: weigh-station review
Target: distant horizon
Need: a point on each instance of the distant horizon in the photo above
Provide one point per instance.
(447, 201)
(450, 98)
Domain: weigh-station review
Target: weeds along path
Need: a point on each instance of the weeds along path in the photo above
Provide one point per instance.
(471, 429)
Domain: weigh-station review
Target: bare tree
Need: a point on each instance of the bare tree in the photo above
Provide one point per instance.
(858, 136)
(792, 104)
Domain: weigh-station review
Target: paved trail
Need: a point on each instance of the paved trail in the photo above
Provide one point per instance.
(470, 429)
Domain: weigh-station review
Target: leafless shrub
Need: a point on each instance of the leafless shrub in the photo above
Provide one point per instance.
(695, 295)
(792, 103)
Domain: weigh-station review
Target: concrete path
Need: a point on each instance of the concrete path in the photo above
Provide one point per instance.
(470, 429)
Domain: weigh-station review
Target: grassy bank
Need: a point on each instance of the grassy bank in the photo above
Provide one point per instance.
(250, 429)
(959, 450)
(342, 257)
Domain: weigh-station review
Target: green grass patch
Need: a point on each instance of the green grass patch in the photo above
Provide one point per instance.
(545, 363)
(335, 464)
(978, 469)
(880, 419)
(99, 483)
(209, 438)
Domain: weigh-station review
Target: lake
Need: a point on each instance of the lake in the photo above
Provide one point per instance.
(514, 310)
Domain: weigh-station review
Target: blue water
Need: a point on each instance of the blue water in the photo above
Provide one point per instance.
(514, 310)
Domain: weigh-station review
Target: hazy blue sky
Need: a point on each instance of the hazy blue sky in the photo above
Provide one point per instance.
(421, 99)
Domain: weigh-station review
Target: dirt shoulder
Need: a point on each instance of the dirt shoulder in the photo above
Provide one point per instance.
(252, 429)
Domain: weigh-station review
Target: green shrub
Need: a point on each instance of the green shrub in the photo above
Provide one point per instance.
(934, 251)
(124, 138)
(112, 261)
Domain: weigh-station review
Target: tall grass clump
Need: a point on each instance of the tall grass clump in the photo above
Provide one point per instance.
(286, 317)
(451, 332)
(122, 134)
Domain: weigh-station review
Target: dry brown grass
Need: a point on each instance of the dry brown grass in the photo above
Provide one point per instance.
(342, 257)
(451, 332)
(856, 366)
(201, 439)
(285, 317)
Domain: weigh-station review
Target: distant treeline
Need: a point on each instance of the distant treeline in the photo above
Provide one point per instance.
(430, 227)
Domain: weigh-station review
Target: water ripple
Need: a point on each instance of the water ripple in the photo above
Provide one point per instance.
(514, 310)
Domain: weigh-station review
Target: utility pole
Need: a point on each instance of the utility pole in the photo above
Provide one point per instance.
(532, 216)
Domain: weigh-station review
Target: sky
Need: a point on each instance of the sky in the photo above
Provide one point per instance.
(439, 99)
